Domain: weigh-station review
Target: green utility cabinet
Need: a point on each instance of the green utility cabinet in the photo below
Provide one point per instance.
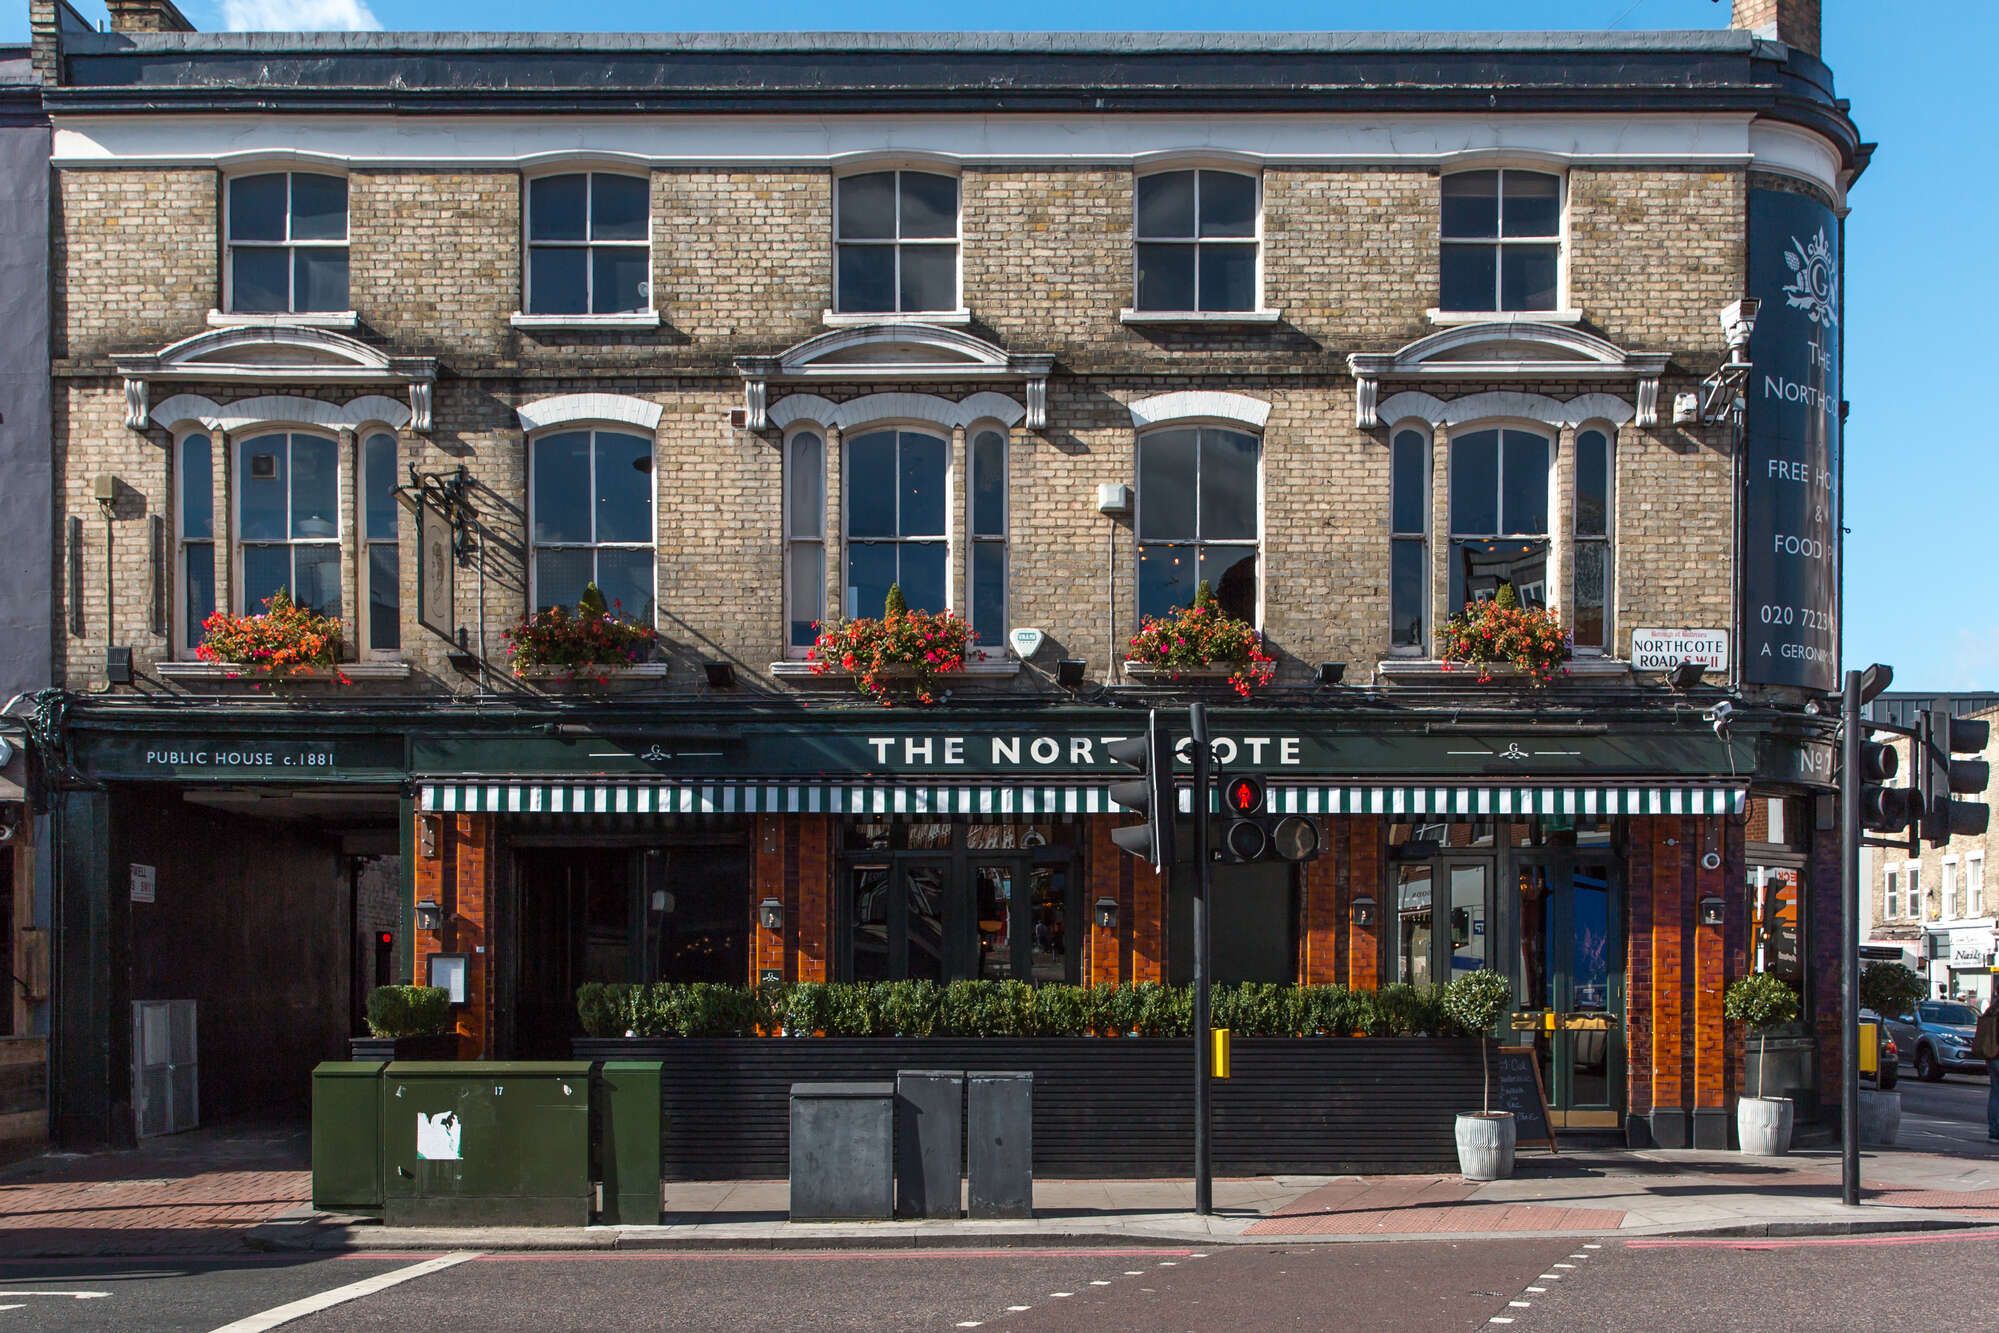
(347, 1137)
(486, 1143)
(628, 1141)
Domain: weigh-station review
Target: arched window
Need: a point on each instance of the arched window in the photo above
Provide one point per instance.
(804, 537)
(1195, 241)
(1197, 518)
(286, 233)
(896, 520)
(1499, 515)
(381, 598)
(589, 244)
(1595, 485)
(194, 523)
(895, 236)
(1409, 546)
(288, 521)
(1501, 237)
(592, 519)
(986, 511)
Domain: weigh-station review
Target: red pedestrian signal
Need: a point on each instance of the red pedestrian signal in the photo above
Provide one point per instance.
(1244, 795)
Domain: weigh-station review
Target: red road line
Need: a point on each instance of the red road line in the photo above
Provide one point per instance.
(1796, 1242)
(807, 1256)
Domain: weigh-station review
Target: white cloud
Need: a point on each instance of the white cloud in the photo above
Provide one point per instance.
(299, 16)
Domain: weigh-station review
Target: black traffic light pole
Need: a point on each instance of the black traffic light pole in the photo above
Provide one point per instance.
(1197, 719)
(1849, 948)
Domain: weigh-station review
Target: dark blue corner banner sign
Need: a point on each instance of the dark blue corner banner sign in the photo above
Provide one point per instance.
(1790, 569)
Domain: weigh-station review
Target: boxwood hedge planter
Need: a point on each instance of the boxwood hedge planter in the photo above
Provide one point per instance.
(1103, 1107)
(434, 1046)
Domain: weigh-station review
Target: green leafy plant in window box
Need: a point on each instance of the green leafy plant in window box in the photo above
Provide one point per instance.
(282, 641)
(595, 636)
(1201, 636)
(1502, 631)
(904, 654)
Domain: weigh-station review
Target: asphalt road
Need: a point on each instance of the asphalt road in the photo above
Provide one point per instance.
(1404, 1286)
(1418, 1286)
(1947, 1116)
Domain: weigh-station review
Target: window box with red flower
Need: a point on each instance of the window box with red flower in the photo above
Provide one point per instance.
(1502, 637)
(283, 642)
(1201, 642)
(556, 643)
(905, 655)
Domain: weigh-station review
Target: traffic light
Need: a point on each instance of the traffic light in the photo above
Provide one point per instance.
(1150, 795)
(1940, 779)
(1883, 809)
(1251, 833)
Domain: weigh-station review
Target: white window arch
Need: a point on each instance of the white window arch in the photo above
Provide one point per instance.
(591, 519)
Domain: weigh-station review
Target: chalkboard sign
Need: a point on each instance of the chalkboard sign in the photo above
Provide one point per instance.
(1520, 1092)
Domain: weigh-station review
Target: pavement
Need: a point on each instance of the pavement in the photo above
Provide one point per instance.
(246, 1189)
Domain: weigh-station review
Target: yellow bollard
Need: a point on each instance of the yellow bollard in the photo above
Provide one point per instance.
(1218, 1064)
(1870, 1048)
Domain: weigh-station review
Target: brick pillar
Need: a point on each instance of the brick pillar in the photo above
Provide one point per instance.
(1669, 984)
(454, 869)
(1821, 920)
(44, 29)
(767, 946)
(1708, 975)
(794, 864)
(1638, 978)
(1147, 932)
(1319, 925)
(1364, 865)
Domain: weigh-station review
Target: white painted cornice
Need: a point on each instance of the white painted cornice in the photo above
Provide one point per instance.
(277, 411)
(811, 409)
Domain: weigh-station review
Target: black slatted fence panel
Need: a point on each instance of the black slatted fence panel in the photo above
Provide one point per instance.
(1116, 1108)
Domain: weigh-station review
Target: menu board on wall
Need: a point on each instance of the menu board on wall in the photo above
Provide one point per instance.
(1790, 569)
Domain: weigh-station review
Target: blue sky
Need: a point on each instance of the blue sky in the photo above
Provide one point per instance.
(1922, 469)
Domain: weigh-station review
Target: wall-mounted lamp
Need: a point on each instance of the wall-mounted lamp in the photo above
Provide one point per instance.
(1363, 910)
(1332, 673)
(1069, 672)
(1687, 674)
(429, 916)
(770, 914)
(721, 675)
(1711, 910)
(1106, 912)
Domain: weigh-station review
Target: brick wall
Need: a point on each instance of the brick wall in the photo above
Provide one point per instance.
(459, 879)
(742, 263)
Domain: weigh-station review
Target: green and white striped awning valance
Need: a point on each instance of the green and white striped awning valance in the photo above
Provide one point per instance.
(520, 796)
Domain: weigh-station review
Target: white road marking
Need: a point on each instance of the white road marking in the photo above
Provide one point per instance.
(1565, 1265)
(1168, 1263)
(1058, 1295)
(74, 1295)
(1197, 1256)
(1538, 1289)
(1592, 1247)
(1549, 1277)
(1134, 1272)
(1521, 1305)
(1099, 1282)
(1016, 1309)
(971, 1323)
(1500, 1319)
(353, 1291)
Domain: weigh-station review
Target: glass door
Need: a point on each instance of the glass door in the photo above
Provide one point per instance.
(1572, 983)
(1437, 940)
(899, 919)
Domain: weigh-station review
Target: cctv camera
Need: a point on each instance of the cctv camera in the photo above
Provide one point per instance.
(1718, 716)
(1686, 409)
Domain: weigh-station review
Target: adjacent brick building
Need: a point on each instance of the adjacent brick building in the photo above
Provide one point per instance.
(432, 328)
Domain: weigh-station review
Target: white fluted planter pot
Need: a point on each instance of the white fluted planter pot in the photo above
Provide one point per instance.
(1485, 1145)
(1763, 1125)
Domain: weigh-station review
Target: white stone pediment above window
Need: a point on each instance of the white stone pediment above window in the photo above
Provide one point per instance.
(895, 353)
(372, 409)
(1521, 351)
(578, 408)
(271, 355)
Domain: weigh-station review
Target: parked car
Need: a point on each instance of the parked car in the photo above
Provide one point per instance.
(1887, 1066)
(1937, 1036)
